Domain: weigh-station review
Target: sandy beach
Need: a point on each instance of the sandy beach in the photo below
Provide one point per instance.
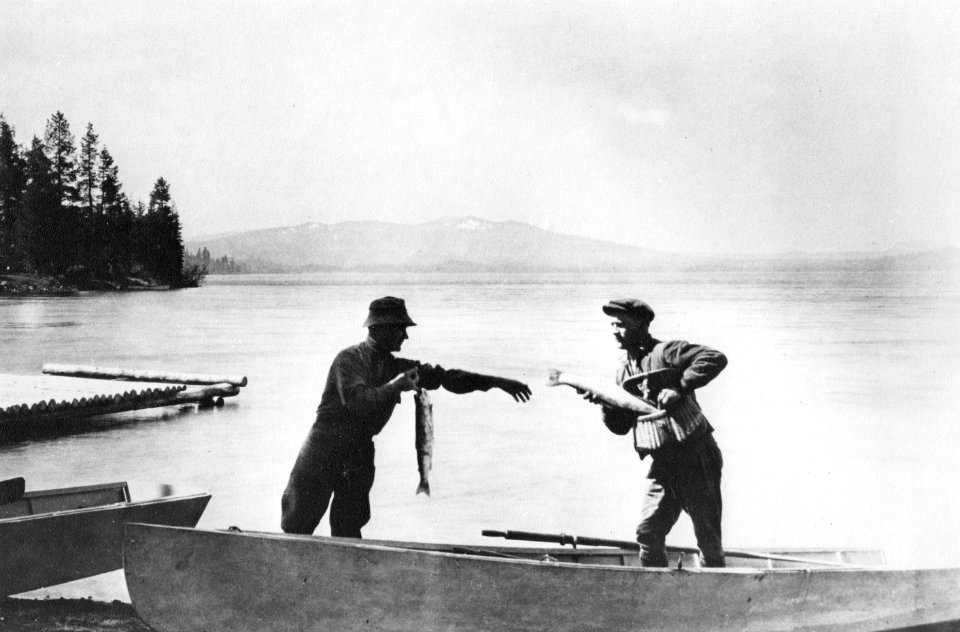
(93, 604)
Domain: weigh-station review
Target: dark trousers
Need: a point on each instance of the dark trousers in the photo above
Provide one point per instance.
(689, 481)
(344, 474)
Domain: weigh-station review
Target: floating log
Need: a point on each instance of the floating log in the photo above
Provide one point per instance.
(141, 375)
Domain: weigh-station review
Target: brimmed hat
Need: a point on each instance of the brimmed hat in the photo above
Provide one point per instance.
(388, 310)
(630, 306)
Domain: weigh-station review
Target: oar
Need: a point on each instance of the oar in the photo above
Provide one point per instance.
(466, 550)
(564, 538)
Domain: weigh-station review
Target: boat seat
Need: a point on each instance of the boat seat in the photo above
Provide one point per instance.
(11, 490)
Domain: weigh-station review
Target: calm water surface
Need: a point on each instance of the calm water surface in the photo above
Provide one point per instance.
(837, 414)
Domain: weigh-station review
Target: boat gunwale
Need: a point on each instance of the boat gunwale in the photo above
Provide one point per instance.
(107, 507)
(66, 491)
(396, 547)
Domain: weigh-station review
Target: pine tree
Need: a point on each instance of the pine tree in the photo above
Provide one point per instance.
(89, 172)
(93, 234)
(41, 203)
(13, 249)
(61, 150)
(165, 258)
(66, 222)
(117, 216)
(140, 240)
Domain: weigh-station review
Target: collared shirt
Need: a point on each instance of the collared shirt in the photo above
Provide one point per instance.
(356, 401)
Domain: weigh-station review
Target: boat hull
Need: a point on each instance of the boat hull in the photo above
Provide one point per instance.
(188, 579)
(46, 549)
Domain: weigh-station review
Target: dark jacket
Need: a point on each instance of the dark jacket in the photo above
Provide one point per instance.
(356, 401)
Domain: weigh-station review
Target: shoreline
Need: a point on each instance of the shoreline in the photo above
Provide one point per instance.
(33, 285)
(74, 615)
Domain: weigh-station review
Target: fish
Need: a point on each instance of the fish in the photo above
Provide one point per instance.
(607, 393)
(424, 438)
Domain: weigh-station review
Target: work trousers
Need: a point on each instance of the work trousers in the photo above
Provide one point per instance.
(325, 470)
(688, 481)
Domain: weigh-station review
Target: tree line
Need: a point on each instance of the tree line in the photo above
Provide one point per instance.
(63, 212)
(215, 265)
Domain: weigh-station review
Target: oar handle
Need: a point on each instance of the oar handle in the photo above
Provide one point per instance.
(564, 538)
(561, 539)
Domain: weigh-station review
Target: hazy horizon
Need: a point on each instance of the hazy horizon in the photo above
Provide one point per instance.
(903, 247)
(745, 127)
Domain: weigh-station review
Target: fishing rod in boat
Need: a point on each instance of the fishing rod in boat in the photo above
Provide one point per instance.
(564, 538)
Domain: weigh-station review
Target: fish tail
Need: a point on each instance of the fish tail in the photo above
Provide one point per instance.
(423, 488)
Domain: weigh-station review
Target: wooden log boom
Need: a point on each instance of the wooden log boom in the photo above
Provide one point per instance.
(141, 375)
(155, 398)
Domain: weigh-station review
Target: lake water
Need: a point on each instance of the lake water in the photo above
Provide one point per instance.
(837, 414)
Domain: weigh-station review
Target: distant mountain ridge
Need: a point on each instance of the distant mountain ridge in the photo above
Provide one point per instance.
(474, 244)
(450, 243)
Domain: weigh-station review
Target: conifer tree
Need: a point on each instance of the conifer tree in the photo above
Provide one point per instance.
(165, 259)
(93, 237)
(65, 225)
(61, 150)
(139, 241)
(117, 218)
(88, 172)
(41, 203)
(13, 248)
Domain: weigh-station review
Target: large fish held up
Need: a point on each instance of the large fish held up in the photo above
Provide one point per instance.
(424, 438)
(608, 393)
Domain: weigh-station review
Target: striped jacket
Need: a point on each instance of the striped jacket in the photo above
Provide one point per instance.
(697, 365)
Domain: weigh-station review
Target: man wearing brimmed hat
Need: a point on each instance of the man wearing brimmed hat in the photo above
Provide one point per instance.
(335, 466)
(684, 475)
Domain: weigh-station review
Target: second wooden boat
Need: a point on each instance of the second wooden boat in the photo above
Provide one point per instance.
(54, 536)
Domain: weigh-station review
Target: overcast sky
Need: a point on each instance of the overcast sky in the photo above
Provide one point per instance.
(681, 126)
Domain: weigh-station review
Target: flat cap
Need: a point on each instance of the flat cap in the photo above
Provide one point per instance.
(630, 306)
(388, 310)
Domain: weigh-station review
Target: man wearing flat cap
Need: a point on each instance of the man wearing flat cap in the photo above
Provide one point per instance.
(335, 466)
(684, 474)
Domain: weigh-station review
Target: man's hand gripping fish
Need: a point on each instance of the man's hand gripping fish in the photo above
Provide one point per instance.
(609, 394)
(424, 438)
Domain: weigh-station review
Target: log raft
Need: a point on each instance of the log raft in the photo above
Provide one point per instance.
(56, 397)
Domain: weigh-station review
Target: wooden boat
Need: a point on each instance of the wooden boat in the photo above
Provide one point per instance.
(188, 579)
(59, 535)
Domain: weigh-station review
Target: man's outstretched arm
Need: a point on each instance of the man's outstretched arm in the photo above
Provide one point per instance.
(460, 381)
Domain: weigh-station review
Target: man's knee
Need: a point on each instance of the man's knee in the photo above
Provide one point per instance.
(300, 512)
(290, 520)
